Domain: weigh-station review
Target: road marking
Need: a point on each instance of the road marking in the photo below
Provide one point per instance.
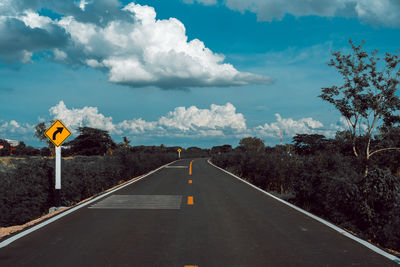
(190, 168)
(177, 167)
(190, 181)
(190, 200)
(191, 265)
(334, 227)
(70, 210)
(163, 202)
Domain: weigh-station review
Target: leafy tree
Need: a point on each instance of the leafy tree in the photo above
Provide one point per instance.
(368, 95)
(221, 149)
(91, 141)
(252, 144)
(343, 143)
(309, 144)
(40, 129)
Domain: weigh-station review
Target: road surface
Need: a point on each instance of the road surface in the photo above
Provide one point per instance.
(172, 218)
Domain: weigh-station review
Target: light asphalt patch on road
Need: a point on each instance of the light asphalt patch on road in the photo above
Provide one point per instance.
(334, 227)
(151, 202)
(176, 167)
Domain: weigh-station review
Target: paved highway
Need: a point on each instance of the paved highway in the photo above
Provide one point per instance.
(173, 218)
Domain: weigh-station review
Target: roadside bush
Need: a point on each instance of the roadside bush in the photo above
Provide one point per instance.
(25, 191)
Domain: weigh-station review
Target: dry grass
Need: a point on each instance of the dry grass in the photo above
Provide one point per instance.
(6, 161)
(6, 231)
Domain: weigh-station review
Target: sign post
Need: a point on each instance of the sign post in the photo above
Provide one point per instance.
(58, 168)
(179, 153)
(57, 134)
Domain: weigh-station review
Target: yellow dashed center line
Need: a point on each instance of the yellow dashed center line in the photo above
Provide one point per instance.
(190, 168)
(191, 266)
(190, 200)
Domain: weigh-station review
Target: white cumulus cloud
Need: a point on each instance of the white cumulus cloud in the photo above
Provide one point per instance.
(188, 122)
(193, 118)
(86, 116)
(133, 46)
(16, 130)
(289, 127)
(219, 120)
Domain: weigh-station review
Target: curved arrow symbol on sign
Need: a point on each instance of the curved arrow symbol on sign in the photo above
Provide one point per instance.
(59, 130)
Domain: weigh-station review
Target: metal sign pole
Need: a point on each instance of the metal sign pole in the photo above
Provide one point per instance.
(58, 167)
(57, 197)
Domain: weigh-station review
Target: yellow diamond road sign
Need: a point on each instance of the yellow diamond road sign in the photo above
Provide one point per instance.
(57, 133)
(179, 150)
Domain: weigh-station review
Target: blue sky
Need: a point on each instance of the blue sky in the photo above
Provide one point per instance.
(255, 68)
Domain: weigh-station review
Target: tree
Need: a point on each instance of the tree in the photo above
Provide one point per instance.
(368, 95)
(309, 144)
(40, 129)
(91, 141)
(221, 149)
(252, 144)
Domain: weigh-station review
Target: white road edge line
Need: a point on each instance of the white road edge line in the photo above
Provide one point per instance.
(334, 227)
(52, 219)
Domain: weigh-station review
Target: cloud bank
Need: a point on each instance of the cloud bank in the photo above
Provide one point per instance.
(129, 43)
(375, 12)
(192, 122)
(181, 122)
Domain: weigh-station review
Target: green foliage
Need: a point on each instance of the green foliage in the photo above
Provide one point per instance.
(25, 191)
(272, 170)
(367, 96)
(309, 144)
(195, 152)
(252, 144)
(91, 142)
(221, 149)
(40, 129)
(23, 150)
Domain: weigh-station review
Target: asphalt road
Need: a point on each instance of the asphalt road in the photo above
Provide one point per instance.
(150, 223)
